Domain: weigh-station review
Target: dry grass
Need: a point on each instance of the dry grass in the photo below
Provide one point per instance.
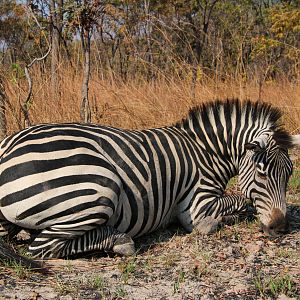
(140, 104)
(237, 262)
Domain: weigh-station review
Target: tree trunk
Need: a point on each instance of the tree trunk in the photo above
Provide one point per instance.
(3, 128)
(56, 27)
(149, 56)
(85, 111)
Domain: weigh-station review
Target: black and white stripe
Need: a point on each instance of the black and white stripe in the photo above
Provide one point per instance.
(88, 187)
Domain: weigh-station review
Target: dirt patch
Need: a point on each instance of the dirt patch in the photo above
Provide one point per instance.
(237, 262)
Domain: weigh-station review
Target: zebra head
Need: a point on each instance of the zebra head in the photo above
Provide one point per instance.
(264, 172)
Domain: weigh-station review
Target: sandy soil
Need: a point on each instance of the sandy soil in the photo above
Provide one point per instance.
(237, 262)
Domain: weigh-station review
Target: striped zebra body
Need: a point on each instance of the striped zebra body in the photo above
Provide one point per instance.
(126, 178)
(87, 187)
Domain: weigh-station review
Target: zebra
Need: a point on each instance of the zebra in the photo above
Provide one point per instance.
(84, 187)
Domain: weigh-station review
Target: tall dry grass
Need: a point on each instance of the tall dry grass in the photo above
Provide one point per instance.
(138, 103)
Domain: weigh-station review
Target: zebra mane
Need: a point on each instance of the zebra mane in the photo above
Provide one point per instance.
(257, 110)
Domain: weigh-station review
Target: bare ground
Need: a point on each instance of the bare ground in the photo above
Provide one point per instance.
(237, 262)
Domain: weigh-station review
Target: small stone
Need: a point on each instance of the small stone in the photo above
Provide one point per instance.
(228, 251)
(240, 288)
(250, 258)
(260, 243)
(47, 293)
(207, 297)
(253, 248)
(271, 253)
(23, 235)
(284, 297)
(67, 297)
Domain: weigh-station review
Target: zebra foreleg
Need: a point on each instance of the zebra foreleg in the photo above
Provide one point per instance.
(247, 213)
(207, 216)
(52, 244)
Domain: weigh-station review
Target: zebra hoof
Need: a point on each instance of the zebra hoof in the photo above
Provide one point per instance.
(208, 225)
(124, 246)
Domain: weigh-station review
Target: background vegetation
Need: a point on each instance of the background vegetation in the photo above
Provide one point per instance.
(144, 63)
(140, 63)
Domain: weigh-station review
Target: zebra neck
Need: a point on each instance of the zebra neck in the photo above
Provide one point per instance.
(215, 160)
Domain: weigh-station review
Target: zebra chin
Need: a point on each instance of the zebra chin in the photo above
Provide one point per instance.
(278, 224)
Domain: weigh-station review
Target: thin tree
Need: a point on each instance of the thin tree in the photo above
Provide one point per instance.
(83, 16)
(3, 128)
(56, 18)
(25, 106)
(204, 10)
(85, 36)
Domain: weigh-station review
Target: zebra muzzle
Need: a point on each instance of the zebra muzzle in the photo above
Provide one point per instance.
(278, 225)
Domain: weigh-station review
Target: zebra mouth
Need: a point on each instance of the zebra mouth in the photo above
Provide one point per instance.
(267, 231)
(273, 232)
(276, 227)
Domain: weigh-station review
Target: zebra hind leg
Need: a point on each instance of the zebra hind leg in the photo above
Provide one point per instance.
(8, 229)
(54, 244)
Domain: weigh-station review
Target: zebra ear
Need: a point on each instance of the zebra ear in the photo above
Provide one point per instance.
(296, 140)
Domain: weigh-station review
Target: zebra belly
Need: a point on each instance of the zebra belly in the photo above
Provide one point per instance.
(138, 215)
